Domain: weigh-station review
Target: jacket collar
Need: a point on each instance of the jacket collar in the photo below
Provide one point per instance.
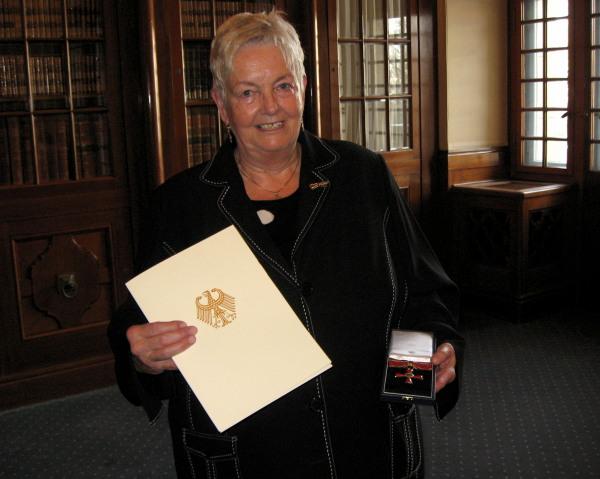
(233, 202)
(222, 170)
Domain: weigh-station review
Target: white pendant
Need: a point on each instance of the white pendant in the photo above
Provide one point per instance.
(265, 216)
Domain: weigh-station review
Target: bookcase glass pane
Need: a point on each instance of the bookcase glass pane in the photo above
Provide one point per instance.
(558, 64)
(13, 83)
(532, 123)
(533, 151)
(258, 6)
(532, 94)
(557, 8)
(376, 125)
(54, 149)
(44, 19)
(533, 35)
(532, 65)
(203, 133)
(557, 94)
(596, 126)
(85, 19)
(595, 70)
(47, 67)
(399, 73)
(348, 18)
(87, 74)
(11, 20)
(532, 9)
(595, 94)
(375, 69)
(556, 154)
(398, 19)
(400, 134)
(196, 19)
(93, 145)
(351, 121)
(595, 31)
(595, 157)
(373, 16)
(197, 71)
(595, 6)
(557, 33)
(16, 151)
(350, 69)
(227, 8)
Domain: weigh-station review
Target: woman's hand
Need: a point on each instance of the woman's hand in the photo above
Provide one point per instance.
(445, 360)
(153, 345)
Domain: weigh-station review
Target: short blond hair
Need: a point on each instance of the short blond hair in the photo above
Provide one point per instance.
(255, 28)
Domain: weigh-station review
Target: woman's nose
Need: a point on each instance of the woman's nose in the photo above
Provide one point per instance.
(270, 103)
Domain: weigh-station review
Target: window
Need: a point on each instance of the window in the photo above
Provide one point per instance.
(544, 83)
(555, 86)
(374, 65)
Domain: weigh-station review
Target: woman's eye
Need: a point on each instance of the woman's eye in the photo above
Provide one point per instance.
(247, 93)
(285, 86)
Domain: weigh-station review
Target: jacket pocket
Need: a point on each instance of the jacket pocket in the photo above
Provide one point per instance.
(406, 442)
(211, 456)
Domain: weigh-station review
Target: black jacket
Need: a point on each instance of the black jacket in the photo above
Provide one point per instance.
(359, 267)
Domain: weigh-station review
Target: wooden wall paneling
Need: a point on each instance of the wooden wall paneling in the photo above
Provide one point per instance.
(479, 165)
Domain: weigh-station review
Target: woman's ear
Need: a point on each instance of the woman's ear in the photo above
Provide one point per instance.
(218, 99)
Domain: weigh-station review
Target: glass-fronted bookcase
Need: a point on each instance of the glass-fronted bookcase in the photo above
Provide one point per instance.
(180, 78)
(65, 219)
(53, 105)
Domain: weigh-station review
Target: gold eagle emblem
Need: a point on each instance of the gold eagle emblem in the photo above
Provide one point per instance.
(216, 311)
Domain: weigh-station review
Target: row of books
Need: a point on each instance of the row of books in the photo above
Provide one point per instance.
(54, 152)
(203, 134)
(87, 69)
(16, 151)
(197, 71)
(55, 155)
(197, 18)
(12, 76)
(45, 18)
(47, 78)
(11, 25)
(93, 147)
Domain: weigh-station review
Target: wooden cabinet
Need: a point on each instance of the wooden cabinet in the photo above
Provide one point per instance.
(513, 240)
(65, 241)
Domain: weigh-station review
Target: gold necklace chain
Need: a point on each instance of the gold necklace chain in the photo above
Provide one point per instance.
(273, 192)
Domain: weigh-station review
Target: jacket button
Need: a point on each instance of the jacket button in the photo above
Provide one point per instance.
(316, 404)
(307, 289)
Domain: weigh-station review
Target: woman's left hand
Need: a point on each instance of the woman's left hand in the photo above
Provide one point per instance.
(445, 360)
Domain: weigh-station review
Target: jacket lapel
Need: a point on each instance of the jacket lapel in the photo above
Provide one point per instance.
(235, 205)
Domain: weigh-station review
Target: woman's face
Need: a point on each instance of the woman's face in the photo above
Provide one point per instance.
(264, 104)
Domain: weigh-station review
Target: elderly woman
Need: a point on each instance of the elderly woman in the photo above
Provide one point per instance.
(327, 222)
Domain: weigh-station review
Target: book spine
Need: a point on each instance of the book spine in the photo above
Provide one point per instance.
(62, 147)
(27, 152)
(14, 139)
(40, 136)
(5, 163)
(85, 147)
(103, 164)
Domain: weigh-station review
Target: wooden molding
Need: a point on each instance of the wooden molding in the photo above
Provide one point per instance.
(475, 165)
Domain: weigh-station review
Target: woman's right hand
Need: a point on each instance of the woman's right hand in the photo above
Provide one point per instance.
(153, 345)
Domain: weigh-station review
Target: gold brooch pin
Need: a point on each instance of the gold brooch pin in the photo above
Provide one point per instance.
(318, 184)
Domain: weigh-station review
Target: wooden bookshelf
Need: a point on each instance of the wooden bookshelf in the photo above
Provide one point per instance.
(65, 190)
(52, 80)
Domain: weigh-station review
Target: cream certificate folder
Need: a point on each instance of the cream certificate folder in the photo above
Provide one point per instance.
(250, 348)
